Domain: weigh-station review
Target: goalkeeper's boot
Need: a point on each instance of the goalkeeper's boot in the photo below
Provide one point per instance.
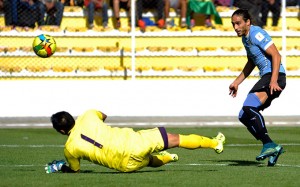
(268, 150)
(273, 159)
(221, 140)
(173, 156)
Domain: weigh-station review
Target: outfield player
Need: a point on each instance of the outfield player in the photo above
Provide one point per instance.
(263, 54)
(122, 149)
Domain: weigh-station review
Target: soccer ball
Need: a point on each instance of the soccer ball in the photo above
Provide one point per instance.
(44, 45)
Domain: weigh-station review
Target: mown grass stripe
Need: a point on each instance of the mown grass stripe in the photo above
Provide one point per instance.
(170, 164)
(226, 145)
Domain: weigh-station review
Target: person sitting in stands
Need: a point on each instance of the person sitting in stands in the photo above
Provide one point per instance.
(117, 5)
(72, 2)
(176, 5)
(150, 4)
(54, 10)
(91, 6)
(23, 13)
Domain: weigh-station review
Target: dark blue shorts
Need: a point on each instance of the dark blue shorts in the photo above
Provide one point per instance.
(263, 86)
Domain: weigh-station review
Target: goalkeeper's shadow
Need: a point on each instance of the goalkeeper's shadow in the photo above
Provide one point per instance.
(240, 162)
(118, 173)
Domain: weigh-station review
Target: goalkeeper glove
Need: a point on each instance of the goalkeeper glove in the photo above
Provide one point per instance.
(54, 166)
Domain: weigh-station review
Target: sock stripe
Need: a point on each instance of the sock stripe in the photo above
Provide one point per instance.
(261, 121)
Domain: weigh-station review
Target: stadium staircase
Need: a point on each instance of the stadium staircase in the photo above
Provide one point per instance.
(106, 53)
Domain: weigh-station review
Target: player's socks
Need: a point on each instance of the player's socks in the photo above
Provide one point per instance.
(253, 119)
(194, 141)
(159, 160)
(258, 123)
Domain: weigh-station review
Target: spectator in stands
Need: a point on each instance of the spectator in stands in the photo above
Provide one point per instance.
(7, 10)
(226, 3)
(23, 13)
(205, 7)
(176, 5)
(150, 4)
(72, 2)
(270, 5)
(253, 6)
(117, 5)
(54, 10)
(1, 6)
(294, 3)
(299, 10)
(91, 6)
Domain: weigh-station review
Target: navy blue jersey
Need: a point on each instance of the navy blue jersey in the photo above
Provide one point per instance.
(256, 43)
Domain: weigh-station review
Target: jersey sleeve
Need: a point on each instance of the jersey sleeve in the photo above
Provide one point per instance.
(262, 39)
(93, 112)
(74, 163)
(100, 115)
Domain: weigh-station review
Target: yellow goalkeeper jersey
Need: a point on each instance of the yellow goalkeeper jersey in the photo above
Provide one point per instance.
(91, 139)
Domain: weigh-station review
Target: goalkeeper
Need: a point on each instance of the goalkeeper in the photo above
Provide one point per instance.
(122, 149)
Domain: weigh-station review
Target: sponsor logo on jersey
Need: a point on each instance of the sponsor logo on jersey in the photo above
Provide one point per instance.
(259, 36)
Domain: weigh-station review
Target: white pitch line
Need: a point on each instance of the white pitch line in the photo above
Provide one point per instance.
(248, 145)
(206, 164)
(31, 146)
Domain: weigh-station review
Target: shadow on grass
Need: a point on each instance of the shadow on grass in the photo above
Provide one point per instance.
(240, 162)
(116, 172)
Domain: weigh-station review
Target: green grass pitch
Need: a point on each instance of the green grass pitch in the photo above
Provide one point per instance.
(24, 152)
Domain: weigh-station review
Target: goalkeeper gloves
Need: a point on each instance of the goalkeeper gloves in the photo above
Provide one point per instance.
(54, 166)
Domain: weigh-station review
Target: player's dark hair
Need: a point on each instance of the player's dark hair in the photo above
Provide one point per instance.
(62, 121)
(243, 13)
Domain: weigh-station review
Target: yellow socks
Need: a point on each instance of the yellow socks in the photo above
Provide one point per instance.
(194, 141)
(159, 160)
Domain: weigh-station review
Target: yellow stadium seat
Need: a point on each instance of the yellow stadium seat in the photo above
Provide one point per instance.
(73, 9)
(212, 69)
(183, 49)
(50, 28)
(157, 49)
(88, 68)
(5, 28)
(163, 68)
(11, 69)
(83, 49)
(8, 49)
(26, 49)
(63, 68)
(35, 69)
(76, 29)
(206, 49)
(114, 68)
(108, 48)
(188, 68)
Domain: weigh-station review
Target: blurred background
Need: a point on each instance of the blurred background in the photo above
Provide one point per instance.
(141, 57)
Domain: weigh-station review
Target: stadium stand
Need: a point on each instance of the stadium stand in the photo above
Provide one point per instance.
(106, 52)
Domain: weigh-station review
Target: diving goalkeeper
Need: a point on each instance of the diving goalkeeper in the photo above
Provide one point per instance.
(122, 149)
